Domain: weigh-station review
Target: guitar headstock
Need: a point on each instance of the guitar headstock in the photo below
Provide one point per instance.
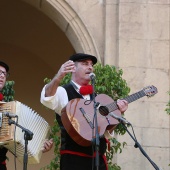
(150, 91)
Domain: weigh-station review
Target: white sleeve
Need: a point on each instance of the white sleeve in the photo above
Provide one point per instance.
(56, 102)
(108, 135)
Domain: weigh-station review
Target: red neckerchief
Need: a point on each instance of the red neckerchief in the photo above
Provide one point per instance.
(1, 97)
(85, 90)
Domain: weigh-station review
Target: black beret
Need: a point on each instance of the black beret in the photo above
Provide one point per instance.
(4, 65)
(81, 57)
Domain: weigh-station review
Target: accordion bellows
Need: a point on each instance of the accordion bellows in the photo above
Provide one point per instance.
(29, 119)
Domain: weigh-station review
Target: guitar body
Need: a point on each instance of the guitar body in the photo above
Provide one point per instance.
(78, 116)
(78, 119)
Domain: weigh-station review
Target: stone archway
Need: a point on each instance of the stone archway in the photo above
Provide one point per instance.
(69, 22)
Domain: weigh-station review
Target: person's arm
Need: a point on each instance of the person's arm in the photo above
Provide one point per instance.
(51, 87)
(48, 144)
(54, 96)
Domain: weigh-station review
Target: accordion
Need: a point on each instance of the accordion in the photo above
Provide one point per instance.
(28, 119)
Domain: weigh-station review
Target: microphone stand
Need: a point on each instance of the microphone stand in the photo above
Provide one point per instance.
(27, 136)
(137, 145)
(97, 141)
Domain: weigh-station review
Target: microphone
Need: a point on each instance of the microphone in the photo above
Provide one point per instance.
(10, 115)
(92, 76)
(119, 118)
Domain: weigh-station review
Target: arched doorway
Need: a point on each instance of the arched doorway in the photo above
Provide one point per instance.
(35, 42)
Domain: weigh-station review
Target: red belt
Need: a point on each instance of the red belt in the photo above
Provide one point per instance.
(83, 154)
(4, 163)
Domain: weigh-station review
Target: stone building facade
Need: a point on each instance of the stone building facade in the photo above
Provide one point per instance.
(131, 34)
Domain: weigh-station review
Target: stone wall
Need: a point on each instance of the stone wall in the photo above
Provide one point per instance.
(134, 36)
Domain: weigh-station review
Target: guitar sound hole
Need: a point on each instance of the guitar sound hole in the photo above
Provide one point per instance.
(103, 110)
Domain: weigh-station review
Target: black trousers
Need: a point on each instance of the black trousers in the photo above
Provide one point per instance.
(75, 162)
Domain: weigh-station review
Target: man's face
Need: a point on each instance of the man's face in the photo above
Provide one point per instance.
(83, 69)
(2, 77)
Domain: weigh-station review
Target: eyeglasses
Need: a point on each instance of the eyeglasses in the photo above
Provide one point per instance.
(5, 73)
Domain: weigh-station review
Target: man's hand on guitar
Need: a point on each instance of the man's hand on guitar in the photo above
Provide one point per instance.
(123, 105)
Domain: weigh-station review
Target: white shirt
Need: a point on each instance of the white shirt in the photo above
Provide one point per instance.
(60, 100)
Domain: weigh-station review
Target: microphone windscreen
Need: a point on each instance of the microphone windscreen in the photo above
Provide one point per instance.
(1, 97)
(92, 75)
(84, 90)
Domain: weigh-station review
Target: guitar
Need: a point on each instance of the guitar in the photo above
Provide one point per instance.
(78, 115)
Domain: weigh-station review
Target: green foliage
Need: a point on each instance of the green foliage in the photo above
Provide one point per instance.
(8, 91)
(55, 134)
(112, 166)
(168, 106)
(116, 147)
(109, 81)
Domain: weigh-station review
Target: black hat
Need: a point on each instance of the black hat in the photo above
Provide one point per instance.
(4, 65)
(81, 57)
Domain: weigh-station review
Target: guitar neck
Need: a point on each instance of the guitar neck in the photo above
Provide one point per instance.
(113, 106)
(135, 96)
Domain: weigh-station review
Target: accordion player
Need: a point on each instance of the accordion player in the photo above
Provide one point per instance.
(11, 135)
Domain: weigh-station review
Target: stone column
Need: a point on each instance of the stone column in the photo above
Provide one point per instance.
(111, 32)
